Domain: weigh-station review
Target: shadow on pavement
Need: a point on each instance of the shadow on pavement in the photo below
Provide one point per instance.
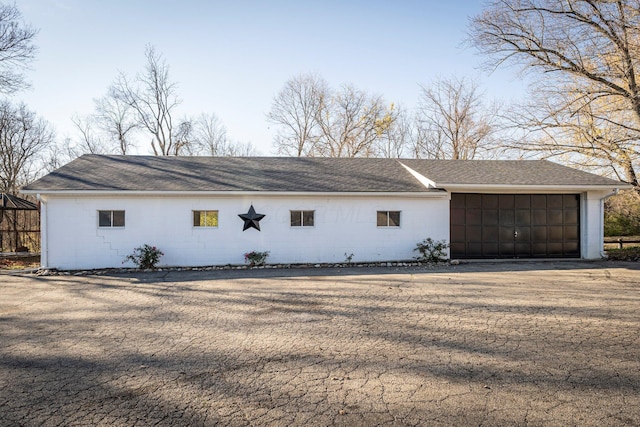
(463, 267)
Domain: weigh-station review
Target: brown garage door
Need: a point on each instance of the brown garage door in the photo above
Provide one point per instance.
(515, 225)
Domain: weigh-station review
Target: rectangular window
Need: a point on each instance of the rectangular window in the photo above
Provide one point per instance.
(111, 218)
(302, 218)
(205, 218)
(388, 218)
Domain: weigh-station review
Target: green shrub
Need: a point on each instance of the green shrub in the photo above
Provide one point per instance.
(255, 258)
(145, 256)
(431, 250)
(348, 258)
(622, 214)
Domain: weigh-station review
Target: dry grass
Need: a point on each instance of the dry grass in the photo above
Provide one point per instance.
(19, 262)
(626, 254)
(608, 246)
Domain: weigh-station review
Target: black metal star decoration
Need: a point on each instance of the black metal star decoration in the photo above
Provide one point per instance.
(251, 219)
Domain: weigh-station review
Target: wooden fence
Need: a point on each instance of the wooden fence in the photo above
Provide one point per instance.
(621, 241)
(20, 231)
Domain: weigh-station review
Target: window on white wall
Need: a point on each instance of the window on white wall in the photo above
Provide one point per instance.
(205, 218)
(388, 219)
(111, 218)
(302, 218)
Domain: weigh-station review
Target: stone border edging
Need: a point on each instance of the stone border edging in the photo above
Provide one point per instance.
(103, 271)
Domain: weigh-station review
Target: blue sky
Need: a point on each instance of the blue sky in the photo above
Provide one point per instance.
(232, 57)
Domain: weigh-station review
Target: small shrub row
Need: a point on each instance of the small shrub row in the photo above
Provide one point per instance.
(147, 256)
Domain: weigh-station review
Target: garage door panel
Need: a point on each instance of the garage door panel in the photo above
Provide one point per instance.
(523, 217)
(572, 248)
(539, 249)
(539, 201)
(458, 201)
(523, 201)
(555, 249)
(515, 225)
(524, 234)
(458, 214)
(554, 216)
(571, 201)
(539, 234)
(507, 201)
(458, 234)
(490, 234)
(491, 250)
(507, 249)
(539, 216)
(490, 201)
(475, 248)
(474, 201)
(474, 234)
(507, 216)
(458, 248)
(506, 234)
(523, 248)
(555, 233)
(473, 217)
(554, 201)
(571, 232)
(571, 216)
(490, 217)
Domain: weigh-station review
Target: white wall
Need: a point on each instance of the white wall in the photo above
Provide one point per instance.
(343, 224)
(592, 224)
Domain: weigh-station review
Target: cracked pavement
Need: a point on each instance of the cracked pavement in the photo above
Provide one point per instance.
(541, 343)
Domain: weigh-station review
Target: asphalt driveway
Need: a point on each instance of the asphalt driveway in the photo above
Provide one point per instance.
(474, 344)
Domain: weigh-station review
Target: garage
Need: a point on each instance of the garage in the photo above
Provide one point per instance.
(489, 209)
(515, 225)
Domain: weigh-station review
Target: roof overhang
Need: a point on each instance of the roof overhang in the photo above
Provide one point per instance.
(528, 189)
(432, 193)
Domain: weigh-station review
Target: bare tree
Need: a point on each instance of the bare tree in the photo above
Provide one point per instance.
(238, 149)
(585, 52)
(350, 122)
(397, 134)
(152, 97)
(210, 136)
(54, 157)
(23, 138)
(89, 141)
(315, 120)
(16, 49)
(115, 118)
(453, 122)
(295, 110)
(182, 138)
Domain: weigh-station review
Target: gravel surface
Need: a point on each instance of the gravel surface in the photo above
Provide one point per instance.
(545, 343)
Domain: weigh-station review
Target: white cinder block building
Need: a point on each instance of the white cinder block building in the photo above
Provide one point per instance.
(97, 209)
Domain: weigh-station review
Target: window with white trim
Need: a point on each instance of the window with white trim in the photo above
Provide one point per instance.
(205, 218)
(388, 218)
(110, 218)
(302, 218)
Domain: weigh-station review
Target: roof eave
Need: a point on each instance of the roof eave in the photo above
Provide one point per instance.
(155, 193)
(501, 188)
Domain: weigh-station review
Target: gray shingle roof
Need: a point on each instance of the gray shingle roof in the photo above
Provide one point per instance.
(151, 173)
(306, 174)
(504, 172)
